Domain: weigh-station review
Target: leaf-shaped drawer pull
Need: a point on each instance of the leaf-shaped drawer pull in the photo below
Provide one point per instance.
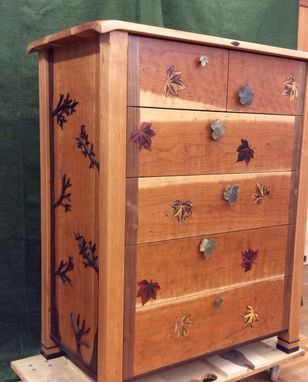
(207, 247)
(218, 129)
(231, 193)
(219, 302)
(246, 95)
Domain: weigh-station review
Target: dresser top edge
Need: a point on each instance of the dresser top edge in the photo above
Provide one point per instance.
(105, 26)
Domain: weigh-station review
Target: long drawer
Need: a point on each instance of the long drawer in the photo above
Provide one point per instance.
(182, 143)
(181, 269)
(176, 207)
(157, 337)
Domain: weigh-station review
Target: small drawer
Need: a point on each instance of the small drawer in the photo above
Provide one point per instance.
(186, 206)
(184, 329)
(277, 84)
(169, 74)
(177, 142)
(180, 268)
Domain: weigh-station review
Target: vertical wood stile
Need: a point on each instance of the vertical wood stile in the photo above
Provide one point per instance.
(48, 346)
(113, 98)
(290, 341)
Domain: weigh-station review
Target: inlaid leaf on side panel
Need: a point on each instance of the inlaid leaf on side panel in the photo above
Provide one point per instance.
(80, 330)
(87, 147)
(66, 107)
(63, 268)
(64, 198)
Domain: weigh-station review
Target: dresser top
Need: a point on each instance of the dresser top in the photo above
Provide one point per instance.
(106, 26)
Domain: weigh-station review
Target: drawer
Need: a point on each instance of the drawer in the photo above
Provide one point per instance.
(181, 269)
(183, 142)
(266, 76)
(185, 206)
(168, 74)
(178, 331)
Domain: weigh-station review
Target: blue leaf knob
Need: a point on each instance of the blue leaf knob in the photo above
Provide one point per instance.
(246, 95)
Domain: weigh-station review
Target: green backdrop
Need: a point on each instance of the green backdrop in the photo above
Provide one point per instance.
(272, 22)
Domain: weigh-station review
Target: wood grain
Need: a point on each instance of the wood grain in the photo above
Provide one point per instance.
(113, 96)
(183, 145)
(156, 345)
(152, 67)
(303, 27)
(290, 339)
(266, 76)
(48, 346)
(76, 60)
(105, 26)
(210, 212)
(181, 270)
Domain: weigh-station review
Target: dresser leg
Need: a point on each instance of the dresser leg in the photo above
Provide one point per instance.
(287, 346)
(51, 351)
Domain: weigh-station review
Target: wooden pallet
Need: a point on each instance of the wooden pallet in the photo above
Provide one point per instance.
(263, 355)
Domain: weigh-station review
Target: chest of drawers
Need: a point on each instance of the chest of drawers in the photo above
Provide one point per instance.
(173, 189)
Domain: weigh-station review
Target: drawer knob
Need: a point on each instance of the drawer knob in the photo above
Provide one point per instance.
(246, 95)
(181, 327)
(203, 60)
(218, 129)
(207, 247)
(290, 88)
(231, 193)
(219, 302)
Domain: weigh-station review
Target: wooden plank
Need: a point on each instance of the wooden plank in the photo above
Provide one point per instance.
(113, 96)
(183, 145)
(293, 366)
(105, 26)
(75, 71)
(48, 346)
(303, 27)
(210, 213)
(266, 76)
(184, 59)
(289, 340)
(193, 274)
(153, 342)
(303, 3)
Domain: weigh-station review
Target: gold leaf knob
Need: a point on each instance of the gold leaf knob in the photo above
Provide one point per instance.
(207, 247)
(203, 60)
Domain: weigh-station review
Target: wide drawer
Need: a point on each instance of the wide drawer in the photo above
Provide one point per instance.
(180, 269)
(183, 142)
(175, 207)
(171, 333)
(168, 74)
(278, 84)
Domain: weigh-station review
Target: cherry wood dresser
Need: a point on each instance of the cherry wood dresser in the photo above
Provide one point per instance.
(173, 189)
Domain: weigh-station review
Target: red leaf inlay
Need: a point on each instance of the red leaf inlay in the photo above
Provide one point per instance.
(147, 290)
(142, 136)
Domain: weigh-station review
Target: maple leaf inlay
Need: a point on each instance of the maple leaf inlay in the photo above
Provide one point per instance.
(181, 327)
(173, 84)
(249, 258)
(251, 316)
(290, 88)
(262, 192)
(245, 152)
(142, 136)
(182, 210)
(147, 290)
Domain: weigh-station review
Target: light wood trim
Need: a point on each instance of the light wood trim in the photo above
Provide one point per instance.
(113, 96)
(44, 93)
(302, 42)
(292, 335)
(303, 3)
(106, 26)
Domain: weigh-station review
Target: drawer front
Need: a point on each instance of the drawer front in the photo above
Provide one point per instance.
(273, 82)
(183, 142)
(176, 207)
(180, 268)
(158, 337)
(168, 74)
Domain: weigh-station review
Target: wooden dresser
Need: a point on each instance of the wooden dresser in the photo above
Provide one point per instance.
(174, 186)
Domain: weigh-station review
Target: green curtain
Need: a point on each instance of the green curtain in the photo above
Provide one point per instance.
(272, 22)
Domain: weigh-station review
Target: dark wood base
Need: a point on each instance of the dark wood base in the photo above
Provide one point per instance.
(286, 346)
(51, 352)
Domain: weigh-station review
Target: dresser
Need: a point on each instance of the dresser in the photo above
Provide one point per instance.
(174, 192)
